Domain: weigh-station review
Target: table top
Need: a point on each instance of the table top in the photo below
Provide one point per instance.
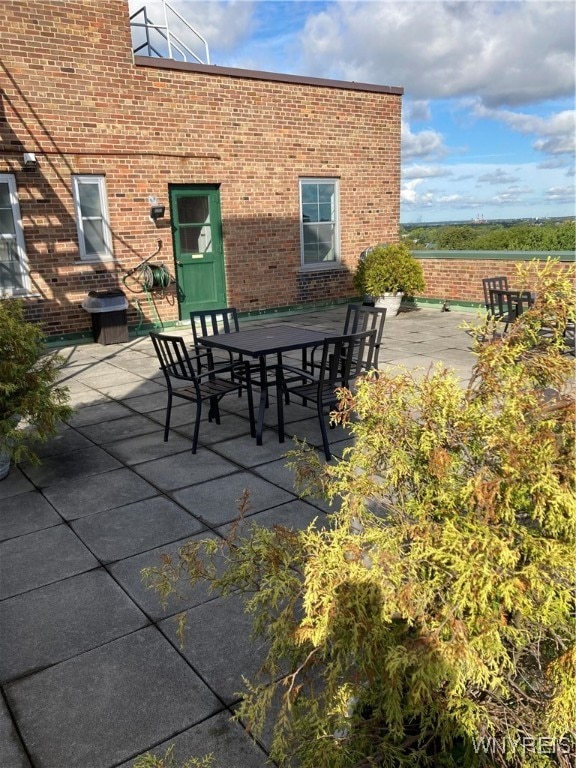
(267, 340)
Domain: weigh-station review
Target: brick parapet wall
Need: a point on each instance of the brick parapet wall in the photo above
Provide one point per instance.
(73, 95)
(457, 276)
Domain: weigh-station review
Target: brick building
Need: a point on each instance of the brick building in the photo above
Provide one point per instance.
(272, 185)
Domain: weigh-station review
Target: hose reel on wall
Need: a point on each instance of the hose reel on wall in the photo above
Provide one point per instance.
(155, 277)
(148, 279)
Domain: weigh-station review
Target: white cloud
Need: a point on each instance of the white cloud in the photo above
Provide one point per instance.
(497, 177)
(507, 53)
(223, 24)
(556, 133)
(461, 195)
(560, 195)
(417, 110)
(426, 143)
(425, 172)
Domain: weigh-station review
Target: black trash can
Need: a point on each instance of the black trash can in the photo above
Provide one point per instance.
(108, 311)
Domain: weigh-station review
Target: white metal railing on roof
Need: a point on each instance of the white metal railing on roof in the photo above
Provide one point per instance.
(160, 41)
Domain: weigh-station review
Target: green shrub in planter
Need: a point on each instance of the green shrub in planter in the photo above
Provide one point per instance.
(389, 269)
(31, 403)
(431, 622)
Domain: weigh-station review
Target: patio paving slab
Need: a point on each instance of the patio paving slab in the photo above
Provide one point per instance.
(147, 403)
(26, 513)
(66, 440)
(109, 704)
(227, 742)
(15, 483)
(135, 450)
(71, 465)
(296, 515)
(134, 528)
(81, 396)
(216, 501)
(210, 433)
(181, 414)
(217, 632)
(309, 430)
(244, 450)
(141, 365)
(55, 622)
(127, 573)
(185, 469)
(108, 376)
(97, 414)
(40, 558)
(132, 389)
(278, 473)
(84, 496)
(12, 754)
(119, 429)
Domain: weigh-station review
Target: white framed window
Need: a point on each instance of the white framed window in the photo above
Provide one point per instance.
(319, 222)
(90, 202)
(14, 278)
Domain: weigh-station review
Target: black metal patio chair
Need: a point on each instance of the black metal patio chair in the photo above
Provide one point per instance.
(344, 358)
(509, 305)
(489, 284)
(211, 322)
(359, 317)
(179, 367)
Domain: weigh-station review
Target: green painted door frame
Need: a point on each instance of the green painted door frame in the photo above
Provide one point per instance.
(197, 243)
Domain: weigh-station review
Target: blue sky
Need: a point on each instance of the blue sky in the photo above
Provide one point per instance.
(489, 92)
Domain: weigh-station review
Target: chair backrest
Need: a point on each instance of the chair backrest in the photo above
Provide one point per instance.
(211, 322)
(344, 358)
(175, 361)
(493, 283)
(510, 304)
(362, 318)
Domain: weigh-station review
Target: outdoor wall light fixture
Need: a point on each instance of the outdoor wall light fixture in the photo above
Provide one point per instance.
(157, 212)
(29, 160)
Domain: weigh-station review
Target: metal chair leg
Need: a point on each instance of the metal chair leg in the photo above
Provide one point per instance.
(197, 425)
(325, 442)
(168, 414)
(280, 409)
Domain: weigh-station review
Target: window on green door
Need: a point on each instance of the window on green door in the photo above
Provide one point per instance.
(319, 222)
(194, 219)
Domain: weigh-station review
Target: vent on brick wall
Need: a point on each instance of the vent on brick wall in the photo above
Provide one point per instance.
(160, 40)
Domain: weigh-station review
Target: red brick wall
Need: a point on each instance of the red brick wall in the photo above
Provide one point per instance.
(73, 95)
(461, 279)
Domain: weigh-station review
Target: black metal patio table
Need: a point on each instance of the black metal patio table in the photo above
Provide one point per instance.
(267, 340)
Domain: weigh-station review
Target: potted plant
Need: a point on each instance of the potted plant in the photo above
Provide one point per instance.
(31, 404)
(387, 273)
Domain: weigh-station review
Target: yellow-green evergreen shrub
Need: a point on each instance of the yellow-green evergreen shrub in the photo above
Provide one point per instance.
(432, 622)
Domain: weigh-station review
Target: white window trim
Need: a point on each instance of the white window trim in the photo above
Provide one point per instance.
(19, 236)
(337, 262)
(101, 182)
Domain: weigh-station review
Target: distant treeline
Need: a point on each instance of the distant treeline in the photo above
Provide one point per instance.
(524, 236)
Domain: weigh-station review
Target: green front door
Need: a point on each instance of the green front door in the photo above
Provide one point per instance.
(198, 254)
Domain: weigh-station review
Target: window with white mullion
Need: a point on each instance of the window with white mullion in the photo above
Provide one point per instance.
(14, 279)
(94, 234)
(319, 221)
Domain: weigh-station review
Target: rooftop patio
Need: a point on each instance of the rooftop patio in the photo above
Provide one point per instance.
(90, 670)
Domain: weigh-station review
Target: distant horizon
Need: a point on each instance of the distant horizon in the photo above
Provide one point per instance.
(487, 221)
